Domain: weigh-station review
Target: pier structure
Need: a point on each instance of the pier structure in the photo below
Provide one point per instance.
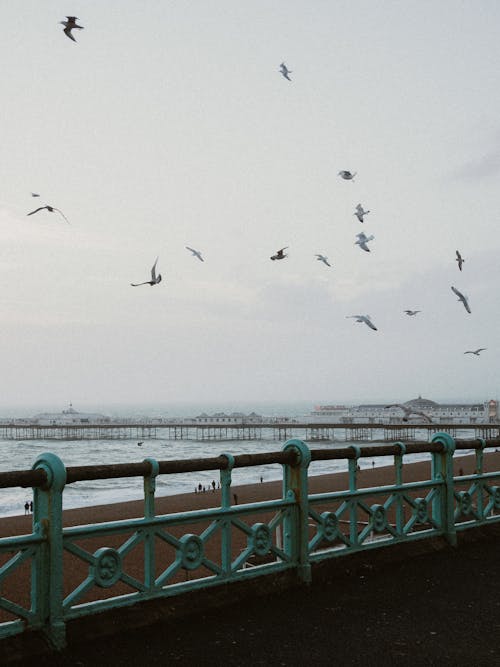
(265, 430)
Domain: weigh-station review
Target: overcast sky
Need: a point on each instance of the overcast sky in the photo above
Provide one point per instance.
(168, 124)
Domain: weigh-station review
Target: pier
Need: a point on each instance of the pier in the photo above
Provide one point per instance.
(265, 430)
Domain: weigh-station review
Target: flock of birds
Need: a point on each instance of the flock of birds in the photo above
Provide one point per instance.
(360, 213)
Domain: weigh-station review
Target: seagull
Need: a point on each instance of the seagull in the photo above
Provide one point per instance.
(140, 444)
(363, 240)
(360, 212)
(51, 209)
(347, 175)
(363, 318)
(459, 259)
(323, 258)
(34, 194)
(280, 254)
(412, 312)
(155, 279)
(408, 411)
(476, 352)
(285, 71)
(462, 298)
(195, 253)
(69, 25)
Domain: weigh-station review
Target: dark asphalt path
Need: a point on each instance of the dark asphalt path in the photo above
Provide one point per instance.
(440, 608)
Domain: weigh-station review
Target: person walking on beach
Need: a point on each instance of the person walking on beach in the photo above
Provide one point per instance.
(31, 506)
(213, 486)
(26, 507)
(199, 487)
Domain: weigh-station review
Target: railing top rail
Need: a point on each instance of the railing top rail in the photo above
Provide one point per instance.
(38, 478)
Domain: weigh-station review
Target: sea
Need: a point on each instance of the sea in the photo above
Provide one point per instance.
(21, 455)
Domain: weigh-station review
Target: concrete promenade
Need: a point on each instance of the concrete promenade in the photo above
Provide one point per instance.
(438, 607)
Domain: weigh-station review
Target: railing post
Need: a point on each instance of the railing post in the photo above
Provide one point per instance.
(47, 578)
(225, 485)
(149, 513)
(353, 487)
(295, 481)
(398, 464)
(480, 482)
(442, 469)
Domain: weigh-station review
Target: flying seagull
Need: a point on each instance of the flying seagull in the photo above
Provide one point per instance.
(51, 209)
(459, 259)
(462, 298)
(285, 71)
(363, 240)
(195, 253)
(34, 194)
(408, 412)
(69, 25)
(476, 352)
(412, 312)
(323, 258)
(360, 212)
(140, 444)
(155, 279)
(363, 318)
(280, 254)
(347, 175)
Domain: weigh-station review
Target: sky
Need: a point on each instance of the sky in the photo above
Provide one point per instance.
(168, 124)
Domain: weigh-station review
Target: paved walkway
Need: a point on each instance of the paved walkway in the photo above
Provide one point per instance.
(440, 608)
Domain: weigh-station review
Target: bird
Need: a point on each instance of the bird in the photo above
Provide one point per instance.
(347, 175)
(51, 209)
(155, 279)
(462, 298)
(34, 194)
(459, 259)
(195, 253)
(139, 444)
(323, 258)
(408, 412)
(412, 312)
(280, 254)
(363, 240)
(285, 71)
(476, 352)
(69, 25)
(360, 212)
(363, 318)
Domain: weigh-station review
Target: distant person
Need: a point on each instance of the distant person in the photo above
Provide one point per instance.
(235, 499)
(196, 489)
(261, 479)
(373, 464)
(26, 507)
(31, 506)
(199, 488)
(213, 486)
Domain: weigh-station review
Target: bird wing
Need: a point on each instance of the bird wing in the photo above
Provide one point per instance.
(367, 321)
(459, 294)
(41, 208)
(362, 237)
(67, 32)
(466, 304)
(138, 284)
(480, 349)
(191, 249)
(459, 256)
(153, 271)
(59, 211)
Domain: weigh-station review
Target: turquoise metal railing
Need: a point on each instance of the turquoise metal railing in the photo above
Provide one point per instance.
(75, 571)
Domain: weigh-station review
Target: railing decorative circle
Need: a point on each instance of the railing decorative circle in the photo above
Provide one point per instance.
(260, 540)
(379, 518)
(192, 552)
(107, 567)
(420, 510)
(329, 526)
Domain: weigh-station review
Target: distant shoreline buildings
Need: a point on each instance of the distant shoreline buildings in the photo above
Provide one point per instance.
(438, 413)
(377, 413)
